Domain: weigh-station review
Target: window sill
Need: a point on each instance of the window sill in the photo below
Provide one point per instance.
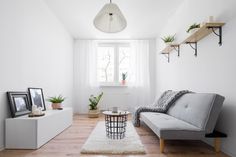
(113, 85)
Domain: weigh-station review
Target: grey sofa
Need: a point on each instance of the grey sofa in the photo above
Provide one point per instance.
(191, 117)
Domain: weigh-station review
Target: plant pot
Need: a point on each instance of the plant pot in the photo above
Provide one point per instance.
(56, 106)
(123, 82)
(93, 113)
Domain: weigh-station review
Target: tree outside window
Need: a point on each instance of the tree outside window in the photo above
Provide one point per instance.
(113, 59)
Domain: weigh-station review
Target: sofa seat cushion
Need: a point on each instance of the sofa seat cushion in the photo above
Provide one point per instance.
(168, 127)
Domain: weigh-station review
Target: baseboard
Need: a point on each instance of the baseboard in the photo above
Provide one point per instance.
(226, 151)
(1, 149)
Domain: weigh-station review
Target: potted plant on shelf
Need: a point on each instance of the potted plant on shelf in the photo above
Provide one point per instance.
(124, 76)
(93, 106)
(168, 40)
(193, 28)
(56, 101)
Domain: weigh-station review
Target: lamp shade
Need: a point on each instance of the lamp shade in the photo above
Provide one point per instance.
(110, 19)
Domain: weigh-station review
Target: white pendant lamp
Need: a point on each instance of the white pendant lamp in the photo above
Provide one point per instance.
(110, 19)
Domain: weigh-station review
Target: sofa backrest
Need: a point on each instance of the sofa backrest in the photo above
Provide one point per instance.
(199, 109)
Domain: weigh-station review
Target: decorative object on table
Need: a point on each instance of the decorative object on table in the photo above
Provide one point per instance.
(193, 28)
(36, 97)
(98, 143)
(110, 19)
(114, 109)
(115, 124)
(36, 111)
(19, 103)
(93, 106)
(124, 76)
(56, 101)
(168, 40)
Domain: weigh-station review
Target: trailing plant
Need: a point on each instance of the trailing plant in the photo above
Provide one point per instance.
(94, 100)
(124, 76)
(168, 39)
(193, 26)
(56, 99)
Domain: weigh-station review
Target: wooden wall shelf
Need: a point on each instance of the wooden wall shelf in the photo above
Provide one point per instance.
(204, 31)
(193, 39)
(168, 49)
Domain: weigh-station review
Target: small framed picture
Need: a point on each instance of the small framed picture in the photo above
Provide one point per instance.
(36, 97)
(19, 103)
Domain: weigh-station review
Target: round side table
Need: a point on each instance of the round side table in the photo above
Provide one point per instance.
(115, 124)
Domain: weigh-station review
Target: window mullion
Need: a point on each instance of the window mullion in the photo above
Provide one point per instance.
(116, 69)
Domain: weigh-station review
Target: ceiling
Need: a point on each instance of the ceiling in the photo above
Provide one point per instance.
(145, 18)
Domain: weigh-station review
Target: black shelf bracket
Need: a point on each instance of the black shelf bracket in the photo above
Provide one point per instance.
(167, 55)
(213, 28)
(176, 48)
(193, 47)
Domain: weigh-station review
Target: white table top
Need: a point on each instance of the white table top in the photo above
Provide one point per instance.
(120, 112)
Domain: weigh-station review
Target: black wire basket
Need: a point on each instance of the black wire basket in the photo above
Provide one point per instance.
(115, 125)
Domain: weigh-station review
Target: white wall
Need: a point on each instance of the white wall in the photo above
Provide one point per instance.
(214, 68)
(35, 51)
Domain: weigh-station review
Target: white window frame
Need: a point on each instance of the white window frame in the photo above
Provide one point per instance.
(116, 46)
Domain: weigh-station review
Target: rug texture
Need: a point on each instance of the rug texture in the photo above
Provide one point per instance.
(98, 143)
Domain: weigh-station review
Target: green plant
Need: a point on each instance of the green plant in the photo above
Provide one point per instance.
(56, 99)
(124, 76)
(195, 25)
(169, 38)
(94, 100)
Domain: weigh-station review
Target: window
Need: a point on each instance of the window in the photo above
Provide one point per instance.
(113, 59)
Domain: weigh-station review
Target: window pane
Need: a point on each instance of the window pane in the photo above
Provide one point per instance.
(105, 61)
(124, 61)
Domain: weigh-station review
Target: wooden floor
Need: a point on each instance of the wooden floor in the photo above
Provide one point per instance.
(69, 143)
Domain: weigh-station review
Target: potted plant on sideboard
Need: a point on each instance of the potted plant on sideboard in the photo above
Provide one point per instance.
(56, 101)
(93, 106)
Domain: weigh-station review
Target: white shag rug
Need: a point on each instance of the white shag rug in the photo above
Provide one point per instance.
(98, 143)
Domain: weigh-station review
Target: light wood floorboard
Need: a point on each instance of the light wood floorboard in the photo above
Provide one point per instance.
(69, 143)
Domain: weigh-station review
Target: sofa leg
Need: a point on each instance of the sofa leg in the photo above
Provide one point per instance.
(217, 144)
(162, 145)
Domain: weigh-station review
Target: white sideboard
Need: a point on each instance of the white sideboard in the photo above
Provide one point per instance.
(31, 133)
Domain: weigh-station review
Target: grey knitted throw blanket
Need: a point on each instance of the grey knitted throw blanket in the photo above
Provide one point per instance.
(162, 105)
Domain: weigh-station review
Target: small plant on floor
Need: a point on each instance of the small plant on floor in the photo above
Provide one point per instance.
(56, 101)
(193, 26)
(94, 100)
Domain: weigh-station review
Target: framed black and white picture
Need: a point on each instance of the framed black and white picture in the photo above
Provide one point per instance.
(36, 97)
(19, 103)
